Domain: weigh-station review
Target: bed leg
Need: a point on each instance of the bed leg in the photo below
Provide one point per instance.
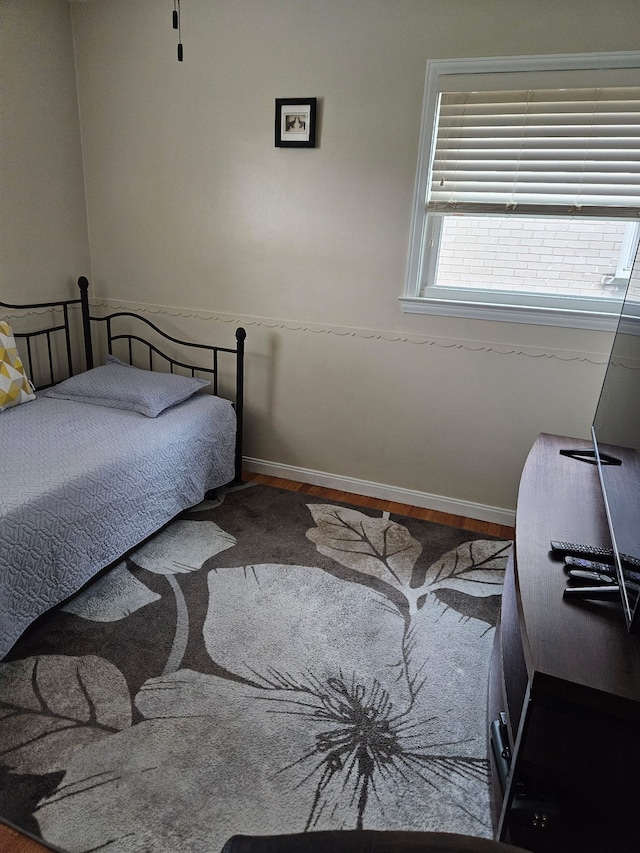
(240, 338)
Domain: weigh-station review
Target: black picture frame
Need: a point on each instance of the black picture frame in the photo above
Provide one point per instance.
(296, 122)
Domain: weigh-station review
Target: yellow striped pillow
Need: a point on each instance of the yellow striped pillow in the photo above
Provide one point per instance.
(15, 388)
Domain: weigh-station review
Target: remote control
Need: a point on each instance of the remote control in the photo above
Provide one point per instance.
(610, 592)
(576, 550)
(586, 577)
(589, 565)
(633, 578)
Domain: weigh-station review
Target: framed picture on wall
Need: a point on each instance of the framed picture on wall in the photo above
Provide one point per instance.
(296, 122)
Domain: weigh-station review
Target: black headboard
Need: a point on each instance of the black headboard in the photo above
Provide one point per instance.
(45, 339)
(120, 331)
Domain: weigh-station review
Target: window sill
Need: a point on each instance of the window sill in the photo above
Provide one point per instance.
(569, 317)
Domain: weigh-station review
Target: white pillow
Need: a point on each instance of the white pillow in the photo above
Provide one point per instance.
(120, 386)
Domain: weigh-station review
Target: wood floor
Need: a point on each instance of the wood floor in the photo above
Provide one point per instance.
(472, 524)
(13, 842)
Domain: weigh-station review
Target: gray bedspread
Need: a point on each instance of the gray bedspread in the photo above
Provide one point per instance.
(82, 484)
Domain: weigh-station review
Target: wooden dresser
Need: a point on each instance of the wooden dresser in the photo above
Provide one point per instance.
(566, 677)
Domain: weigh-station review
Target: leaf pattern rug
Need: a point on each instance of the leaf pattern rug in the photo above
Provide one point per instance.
(269, 662)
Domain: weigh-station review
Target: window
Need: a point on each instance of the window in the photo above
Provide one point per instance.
(527, 204)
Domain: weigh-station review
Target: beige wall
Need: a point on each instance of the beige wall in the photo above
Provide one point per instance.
(193, 212)
(43, 228)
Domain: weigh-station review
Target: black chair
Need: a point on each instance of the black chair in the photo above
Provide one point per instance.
(366, 841)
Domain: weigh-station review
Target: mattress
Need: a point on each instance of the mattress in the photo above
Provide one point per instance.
(81, 484)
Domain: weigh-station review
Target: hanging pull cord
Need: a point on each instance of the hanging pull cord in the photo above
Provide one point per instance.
(177, 25)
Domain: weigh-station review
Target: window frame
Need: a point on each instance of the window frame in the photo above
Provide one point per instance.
(554, 70)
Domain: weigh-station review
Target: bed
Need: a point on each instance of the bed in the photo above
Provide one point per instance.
(97, 459)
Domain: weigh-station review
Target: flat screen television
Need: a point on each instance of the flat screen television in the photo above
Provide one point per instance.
(616, 444)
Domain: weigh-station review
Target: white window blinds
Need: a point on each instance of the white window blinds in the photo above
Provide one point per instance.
(543, 152)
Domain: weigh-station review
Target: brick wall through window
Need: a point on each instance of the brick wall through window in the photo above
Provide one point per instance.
(558, 256)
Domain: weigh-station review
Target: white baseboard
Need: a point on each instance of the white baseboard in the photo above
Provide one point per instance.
(466, 509)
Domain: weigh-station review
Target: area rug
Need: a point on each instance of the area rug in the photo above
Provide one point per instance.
(267, 663)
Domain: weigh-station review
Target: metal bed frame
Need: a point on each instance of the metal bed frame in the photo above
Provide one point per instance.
(50, 333)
